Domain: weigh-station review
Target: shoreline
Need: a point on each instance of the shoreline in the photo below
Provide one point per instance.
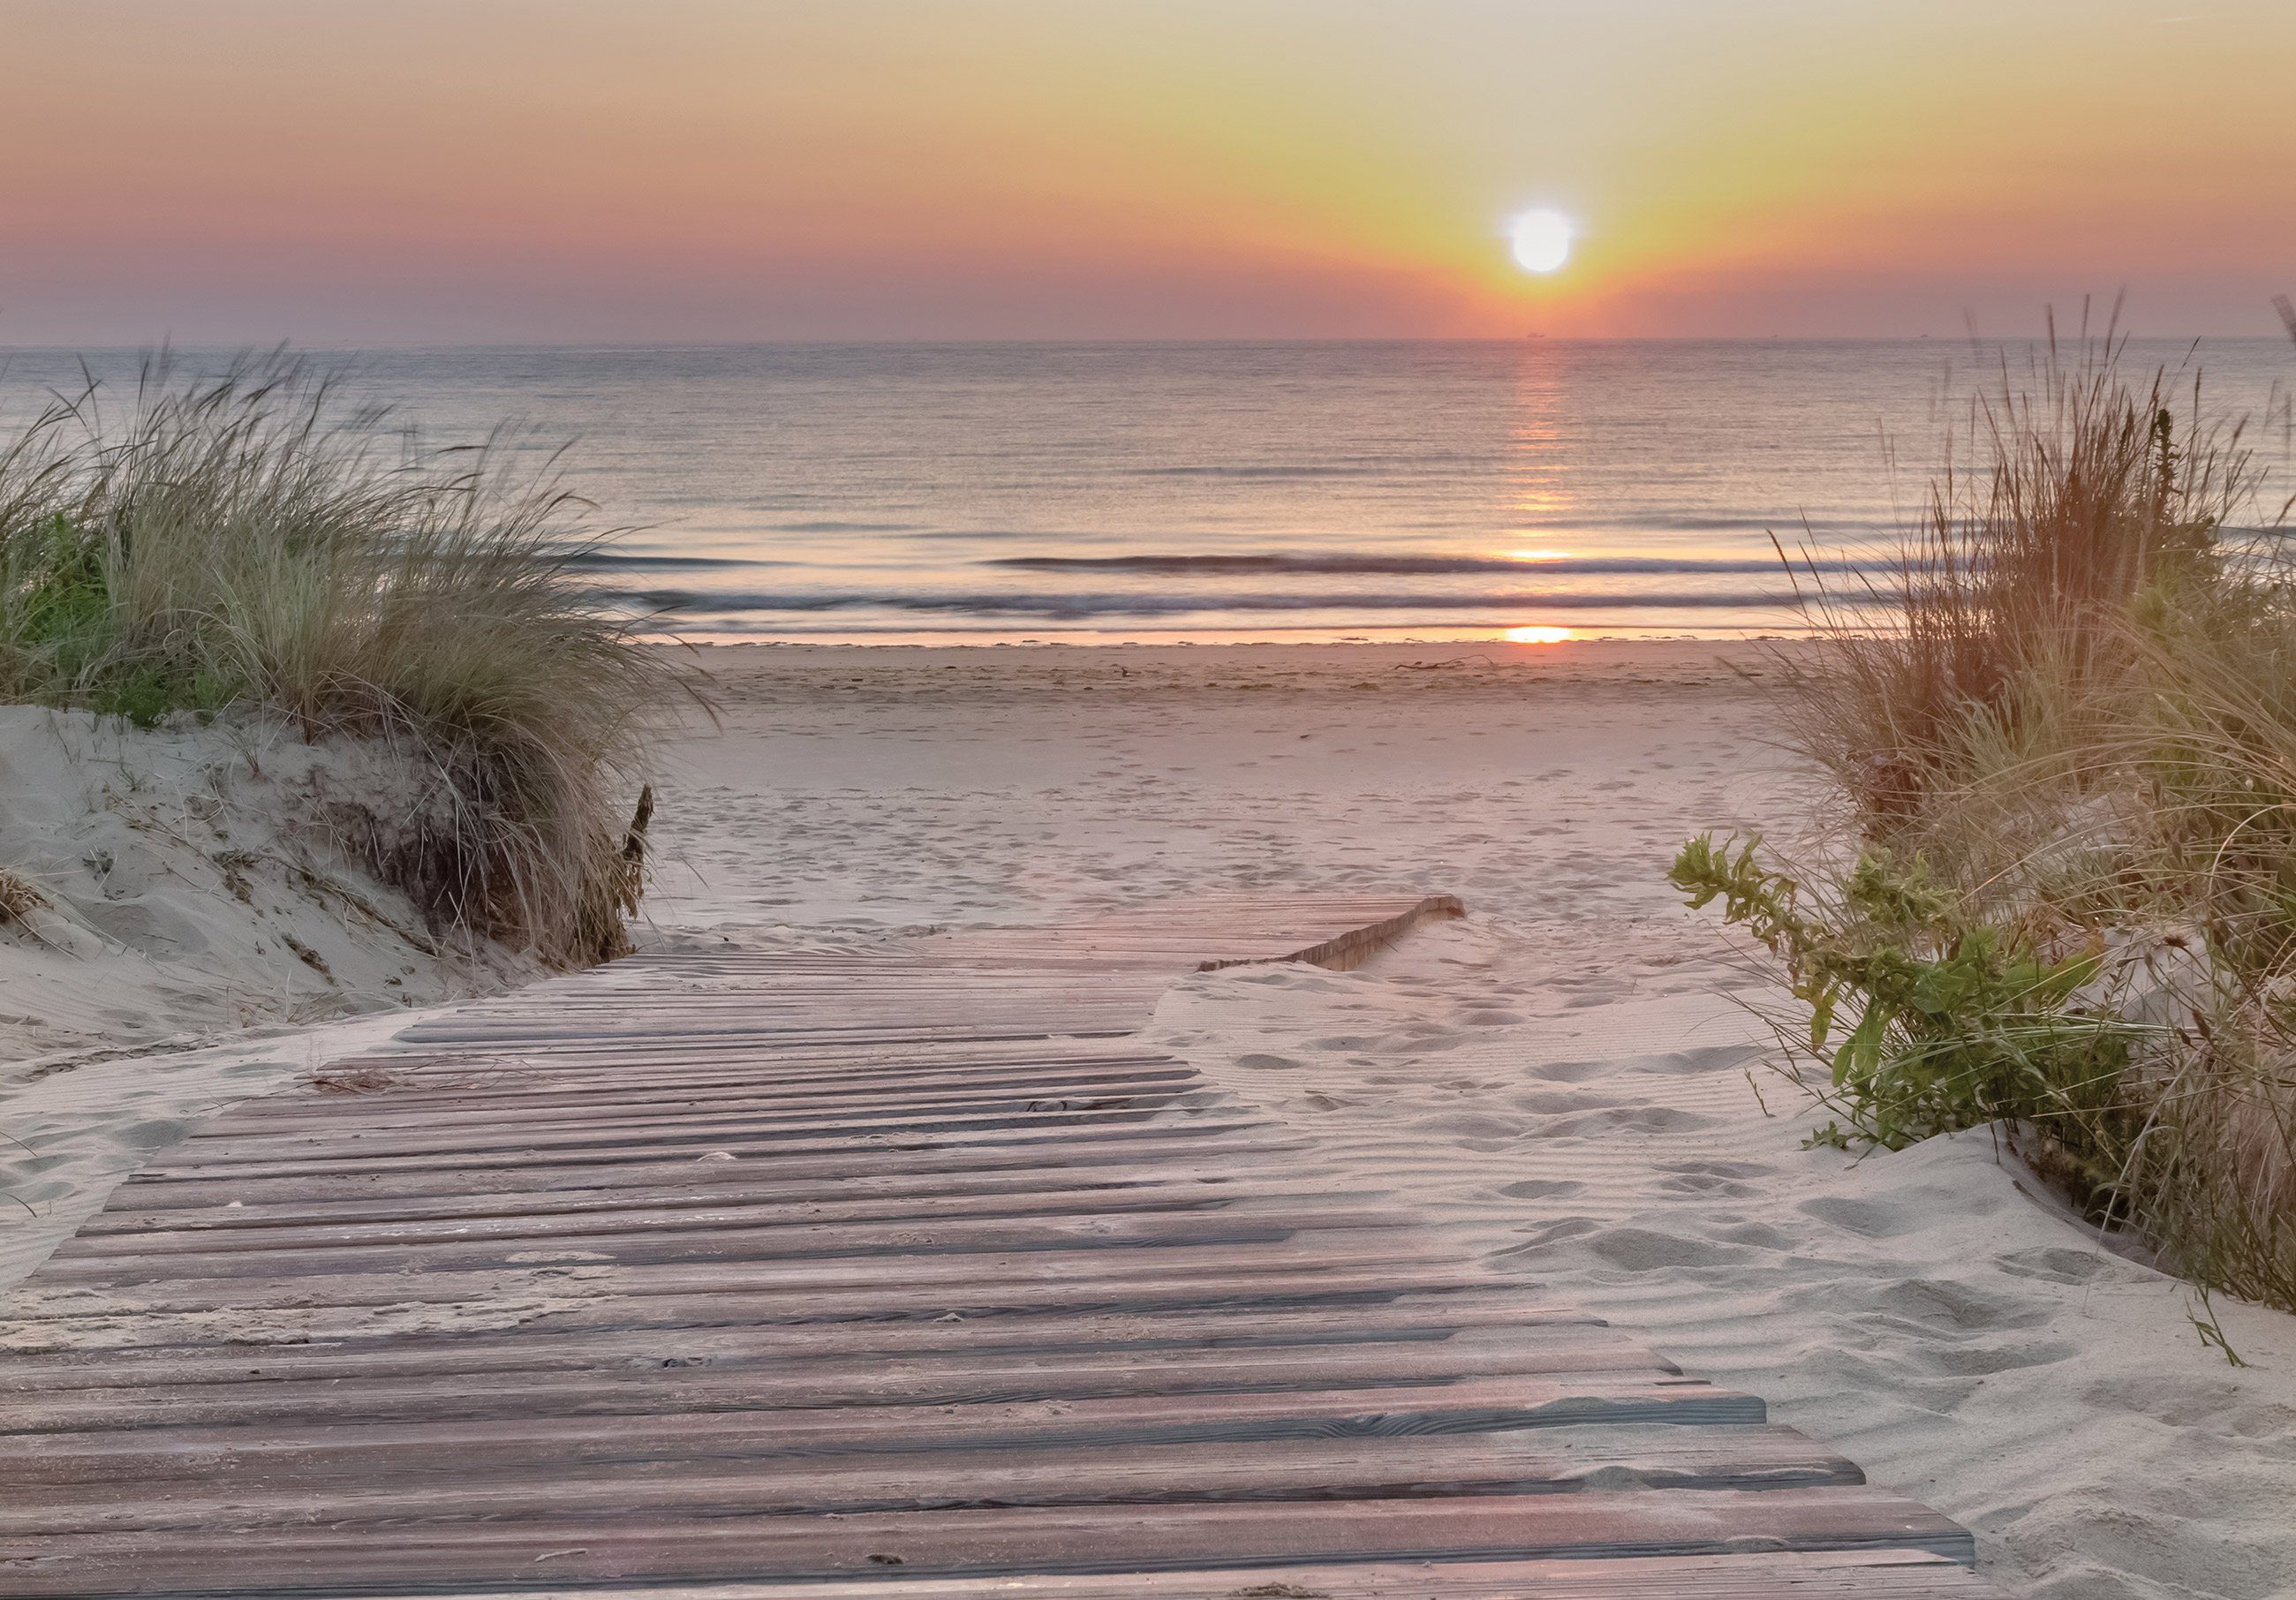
(1539, 634)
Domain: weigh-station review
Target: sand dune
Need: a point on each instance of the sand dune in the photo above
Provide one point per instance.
(191, 891)
(195, 925)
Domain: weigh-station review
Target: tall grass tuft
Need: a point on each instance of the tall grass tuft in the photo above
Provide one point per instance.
(18, 898)
(258, 538)
(2088, 491)
(2068, 742)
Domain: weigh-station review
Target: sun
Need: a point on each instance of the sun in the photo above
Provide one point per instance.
(1541, 240)
(1539, 635)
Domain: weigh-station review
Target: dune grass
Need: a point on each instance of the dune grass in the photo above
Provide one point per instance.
(2067, 751)
(255, 540)
(18, 898)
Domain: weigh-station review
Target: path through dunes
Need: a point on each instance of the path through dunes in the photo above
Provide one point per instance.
(908, 1273)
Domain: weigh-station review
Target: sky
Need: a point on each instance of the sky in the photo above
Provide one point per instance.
(493, 171)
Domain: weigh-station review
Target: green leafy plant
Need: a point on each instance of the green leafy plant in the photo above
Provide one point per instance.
(2064, 725)
(1926, 1020)
(54, 600)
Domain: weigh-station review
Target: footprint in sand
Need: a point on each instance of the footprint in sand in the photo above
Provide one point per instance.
(2186, 1402)
(1705, 1186)
(1973, 1361)
(1643, 1250)
(1260, 1062)
(1416, 1041)
(1760, 1234)
(1562, 1103)
(1941, 1305)
(1471, 1128)
(1568, 1072)
(1541, 1241)
(2059, 1265)
(1718, 1168)
(1870, 1218)
(1643, 1120)
(1712, 1058)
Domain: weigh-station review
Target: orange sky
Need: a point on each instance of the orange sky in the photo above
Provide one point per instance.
(415, 170)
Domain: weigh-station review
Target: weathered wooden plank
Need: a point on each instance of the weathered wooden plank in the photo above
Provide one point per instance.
(471, 1354)
(1234, 1146)
(699, 1215)
(466, 1448)
(792, 1060)
(967, 1377)
(767, 1240)
(1185, 1137)
(999, 1538)
(862, 1137)
(686, 1185)
(541, 1109)
(771, 1046)
(1553, 1461)
(547, 1099)
(1772, 1575)
(547, 1306)
(1236, 1264)
(674, 1126)
(878, 1034)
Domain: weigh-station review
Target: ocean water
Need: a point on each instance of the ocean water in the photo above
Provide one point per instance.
(1236, 491)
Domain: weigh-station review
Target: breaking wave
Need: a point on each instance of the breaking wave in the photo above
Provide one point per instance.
(1013, 603)
(1422, 565)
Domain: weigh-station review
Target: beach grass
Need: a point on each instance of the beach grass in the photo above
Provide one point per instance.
(19, 898)
(2066, 901)
(257, 540)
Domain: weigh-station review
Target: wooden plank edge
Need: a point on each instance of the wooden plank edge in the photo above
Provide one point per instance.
(1847, 1575)
(1347, 951)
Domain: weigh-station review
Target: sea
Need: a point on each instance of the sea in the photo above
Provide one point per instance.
(1534, 488)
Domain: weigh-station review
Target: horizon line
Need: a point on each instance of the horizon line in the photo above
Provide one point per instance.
(157, 346)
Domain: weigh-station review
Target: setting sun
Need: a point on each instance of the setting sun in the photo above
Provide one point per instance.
(1538, 636)
(1541, 240)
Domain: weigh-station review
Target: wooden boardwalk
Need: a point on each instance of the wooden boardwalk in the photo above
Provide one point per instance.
(755, 1277)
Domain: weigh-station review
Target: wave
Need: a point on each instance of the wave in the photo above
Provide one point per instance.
(1419, 565)
(1300, 470)
(1010, 604)
(837, 527)
(613, 561)
(1590, 530)
(1712, 522)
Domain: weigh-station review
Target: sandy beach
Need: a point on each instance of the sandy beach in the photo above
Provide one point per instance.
(1570, 1078)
